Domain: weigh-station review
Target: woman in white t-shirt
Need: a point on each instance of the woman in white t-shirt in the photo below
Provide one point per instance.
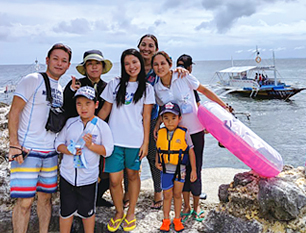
(129, 101)
(181, 91)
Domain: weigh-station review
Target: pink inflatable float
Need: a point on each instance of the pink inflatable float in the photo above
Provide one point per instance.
(240, 140)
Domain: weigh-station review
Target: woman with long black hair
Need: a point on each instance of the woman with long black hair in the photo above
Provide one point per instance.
(129, 101)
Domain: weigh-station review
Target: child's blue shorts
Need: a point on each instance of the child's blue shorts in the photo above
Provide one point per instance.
(167, 180)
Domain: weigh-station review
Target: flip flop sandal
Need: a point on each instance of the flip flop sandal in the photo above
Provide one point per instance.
(119, 221)
(128, 223)
(185, 216)
(154, 207)
(196, 216)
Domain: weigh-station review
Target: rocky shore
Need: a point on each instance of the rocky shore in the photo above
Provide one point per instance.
(238, 201)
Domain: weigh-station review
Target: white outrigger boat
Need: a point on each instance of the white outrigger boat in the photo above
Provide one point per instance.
(254, 82)
(10, 86)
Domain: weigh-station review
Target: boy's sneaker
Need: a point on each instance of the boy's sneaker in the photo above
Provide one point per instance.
(203, 196)
(178, 226)
(165, 227)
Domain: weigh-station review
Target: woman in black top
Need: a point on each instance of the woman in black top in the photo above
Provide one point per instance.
(92, 67)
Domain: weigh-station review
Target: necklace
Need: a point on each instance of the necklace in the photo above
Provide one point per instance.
(169, 84)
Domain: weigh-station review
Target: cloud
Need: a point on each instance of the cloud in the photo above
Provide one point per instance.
(299, 48)
(203, 25)
(4, 34)
(159, 22)
(101, 25)
(239, 51)
(6, 27)
(172, 4)
(279, 49)
(75, 26)
(4, 20)
(228, 12)
(181, 26)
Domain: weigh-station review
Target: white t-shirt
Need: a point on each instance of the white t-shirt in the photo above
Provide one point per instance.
(72, 130)
(33, 118)
(126, 121)
(181, 92)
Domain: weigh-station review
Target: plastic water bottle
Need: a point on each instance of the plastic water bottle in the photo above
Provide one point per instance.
(80, 142)
(79, 160)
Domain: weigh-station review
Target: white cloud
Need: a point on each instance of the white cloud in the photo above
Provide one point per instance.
(300, 47)
(75, 26)
(204, 28)
(279, 49)
(228, 12)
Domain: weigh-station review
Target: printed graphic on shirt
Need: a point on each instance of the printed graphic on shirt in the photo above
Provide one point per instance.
(128, 97)
(186, 97)
(94, 138)
(151, 77)
(57, 97)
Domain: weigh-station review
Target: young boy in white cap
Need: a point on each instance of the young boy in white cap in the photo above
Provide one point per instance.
(92, 68)
(78, 183)
(174, 151)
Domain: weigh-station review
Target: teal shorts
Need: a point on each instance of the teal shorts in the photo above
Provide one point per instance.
(121, 158)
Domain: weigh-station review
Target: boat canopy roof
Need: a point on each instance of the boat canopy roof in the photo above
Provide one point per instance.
(237, 69)
(241, 69)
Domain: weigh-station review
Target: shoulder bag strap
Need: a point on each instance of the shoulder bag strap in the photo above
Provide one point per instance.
(48, 88)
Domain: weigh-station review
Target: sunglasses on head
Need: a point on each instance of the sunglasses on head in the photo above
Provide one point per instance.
(22, 152)
(61, 46)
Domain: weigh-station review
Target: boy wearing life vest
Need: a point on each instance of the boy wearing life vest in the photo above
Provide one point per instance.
(174, 151)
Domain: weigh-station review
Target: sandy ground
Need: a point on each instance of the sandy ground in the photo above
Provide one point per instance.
(212, 178)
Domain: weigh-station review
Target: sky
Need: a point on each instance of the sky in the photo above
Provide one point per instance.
(205, 29)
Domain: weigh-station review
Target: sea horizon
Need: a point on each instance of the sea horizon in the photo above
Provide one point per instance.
(277, 122)
(204, 60)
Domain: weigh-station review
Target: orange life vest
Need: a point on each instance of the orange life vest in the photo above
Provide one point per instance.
(172, 151)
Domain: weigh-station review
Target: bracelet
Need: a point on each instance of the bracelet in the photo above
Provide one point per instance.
(15, 147)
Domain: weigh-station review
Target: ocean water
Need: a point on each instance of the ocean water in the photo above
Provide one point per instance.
(282, 124)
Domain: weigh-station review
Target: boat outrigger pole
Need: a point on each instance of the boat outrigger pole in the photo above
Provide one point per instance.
(274, 70)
